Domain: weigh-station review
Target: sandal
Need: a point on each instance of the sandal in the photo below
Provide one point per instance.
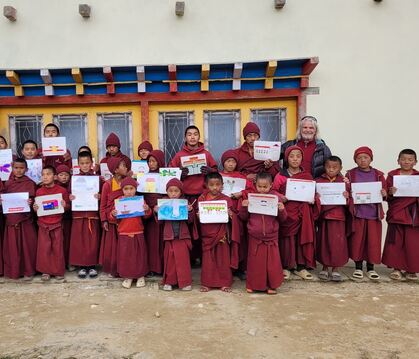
(45, 277)
(187, 288)
(248, 290)
(373, 275)
(412, 276)
(287, 274)
(204, 289)
(226, 289)
(304, 274)
(396, 275)
(358, 274)
(271, 291)
(167, 287)
(336, 277)
(324, 275)
(140, 282)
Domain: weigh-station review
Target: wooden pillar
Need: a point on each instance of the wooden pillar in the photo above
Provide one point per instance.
(145, 131)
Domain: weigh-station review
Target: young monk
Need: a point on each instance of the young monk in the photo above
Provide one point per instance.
(219, 241)
(52, 130)
(152, 227)
(3, 143)
(297, 235)
(85, 235)
(110, 191)
(264, 269)
(401, 249)
(144, 149)
(365, 219)
(332, 243)
(132, 251)
(20, 240)
(30, 150)
(177, 237)
(50, 259)
(113, 149)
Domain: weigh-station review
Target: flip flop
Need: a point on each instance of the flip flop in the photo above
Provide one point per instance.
(204, 289)
(271, 292)
(373, 275)
(336, 277)
(396, 275)
(304, 274)
(287, 274)
(412, 276)
(358, 274)
(226, 289)
(248, 290)
(324, 275)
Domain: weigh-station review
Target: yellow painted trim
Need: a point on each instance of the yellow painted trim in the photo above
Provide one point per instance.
(271, 68)
(269, 83)
(13, 77)
(204, 85)
(19, 91)
(79, 89)
(77, 76)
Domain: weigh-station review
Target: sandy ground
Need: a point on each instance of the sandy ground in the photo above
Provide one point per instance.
(99, 319)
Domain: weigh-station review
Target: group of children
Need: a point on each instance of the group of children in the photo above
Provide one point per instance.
(267, 248)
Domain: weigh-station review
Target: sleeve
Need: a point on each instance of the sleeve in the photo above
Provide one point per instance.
(210, 161)
(243, 212)
(175, 161)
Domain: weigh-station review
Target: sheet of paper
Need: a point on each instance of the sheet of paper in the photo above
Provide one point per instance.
(129, 207)
(104, 171)
(53, 146)
(407, 186)
(267, 150)
(50, 204)
(331, 193)
(263, 204)
(75, 166)
(6, 158)
(15, 202)
(367, 192)
(213, 212)
(194, 163)
(139, 166)
(233, 185)
(148, 183)
(172, 209)
(84, 189)
(35, 170)
(166, 174)
(300, 190)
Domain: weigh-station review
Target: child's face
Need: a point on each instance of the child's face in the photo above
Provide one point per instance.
(363, 161)
(230, 165)
(29, 151)
(144, 153)
(153, 164)
(251, 138)
(215, 186)
(174, 192)
(332, 168)
(129, 191)
(407, 162)
(85, 164)
(3, 144)
(295, 158)
(263, 185)
(122, 169)
(112, 150)
(192, 137)
(18, 169)
(48, 176)
(63, 177)
(50, 131)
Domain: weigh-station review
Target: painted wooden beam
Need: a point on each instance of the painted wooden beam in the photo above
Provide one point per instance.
(107, 72)
(172, 77)
(269, 83)
(46, 76)
(236, 84)
(141, 87)
(204, 85)
(271, 68)
(238, 68)
(19, 91)
(145, 126)
(310, 65)
(49, 90)
(77, 75)
(13, 77)
(140, 70)
(205, 70)
(79, 89)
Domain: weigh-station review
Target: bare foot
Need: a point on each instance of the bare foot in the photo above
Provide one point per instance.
(248, 290)
(204, 289)
(271, 291)
(226, 289)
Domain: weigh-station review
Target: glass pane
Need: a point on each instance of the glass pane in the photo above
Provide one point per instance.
(221, 132)
(118, 124)
(269, 122)
(74, 129)
(27, 128)
(174, 126)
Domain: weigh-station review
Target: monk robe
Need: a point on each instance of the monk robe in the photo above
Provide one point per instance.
(331, 241)
(1, 231)
(132, 250)
(401, 248)
(264, 268)
(220, 248)
(55, 161)
(67, 219)
(20, 239)
(177, 238)
(118, 155)
(85, 235)
(50, 254)
(111, 190)
(297, 235)
(246, 163)
(364, 221)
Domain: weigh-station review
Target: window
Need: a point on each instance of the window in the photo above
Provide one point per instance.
(24, 128)
(172, 126)
(74, 128)
(272, 124)
(120, 124)
(222, 132)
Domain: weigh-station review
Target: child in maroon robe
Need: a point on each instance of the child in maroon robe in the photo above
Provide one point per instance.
(331, 243)
(20, 240)
(297, 233)
(144, 150)
(63, 180)
(401, 249)
(113, 149)
(30, 150)
(111, 189)
(152, 227)
(52, 130)
(220, 243)
(85, 237)
(50, 253)
(365, 219)
(132, 249)
(264, 268)
(177, 237)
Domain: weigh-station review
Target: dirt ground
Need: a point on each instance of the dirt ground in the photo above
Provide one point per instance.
(99, 319)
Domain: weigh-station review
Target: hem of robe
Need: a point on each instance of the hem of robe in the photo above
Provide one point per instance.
(109, 251)
(365, 241)
(216, 269)
(132, 256)
(154, 245)
(332, 243)
(177, 266)
(50, 256)
(84, 242)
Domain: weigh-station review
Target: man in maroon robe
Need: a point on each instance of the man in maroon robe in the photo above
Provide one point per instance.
(52, 130)
(113, 149)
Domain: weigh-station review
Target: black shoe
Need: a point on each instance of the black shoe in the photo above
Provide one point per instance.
(241, 274)
(82, 273)
(150, 275)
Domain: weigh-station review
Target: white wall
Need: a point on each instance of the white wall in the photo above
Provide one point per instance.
(368, 52)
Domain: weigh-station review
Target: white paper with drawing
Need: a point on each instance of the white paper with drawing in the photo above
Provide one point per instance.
(267, 150)
(139, 166)
(166, 174)
(6, 159)
(407, 186)
(233, 185)
(213, 211)
(300, 190)
(84, 189)
(104, 171)
(261, 203)
(194, 163)
(15, 202)
(367, 192)
(35, 170)
(49, 204)
(53, 146)
(331, 193)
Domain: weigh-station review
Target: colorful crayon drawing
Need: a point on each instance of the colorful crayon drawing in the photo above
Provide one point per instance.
(54, 146)
(172, 209)
(194, 163)
(213, 212)
(34, 171)
(50, 205)
(127, 207)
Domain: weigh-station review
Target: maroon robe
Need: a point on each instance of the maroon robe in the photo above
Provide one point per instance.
(297, 235)
(67, 219)
(55, 161)
(365, 234)
(20, 238)
(220, 246)
(264, 268)
(401, 248)
(1, 231)
(331, 241)
(118, 155)
(246, 164)
(50, 254)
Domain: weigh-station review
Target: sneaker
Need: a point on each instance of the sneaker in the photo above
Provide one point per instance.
(127, 283)
(82, 273)
(92, 273)
(168, 287)
(140, 282)
(187, 288)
